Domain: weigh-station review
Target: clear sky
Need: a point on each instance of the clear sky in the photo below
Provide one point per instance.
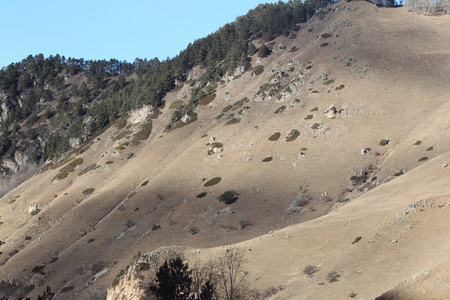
(104, 29)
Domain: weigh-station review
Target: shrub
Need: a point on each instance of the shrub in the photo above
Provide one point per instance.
(309, 270)
(87, 169)
(227, 108)
(208, 99)
(293, 49)
(264, 51)
(293, 135)
(280, 109)
(201, 195)
(267, 159)
(144, 183)
(67, 289)
(233, 121)
(274, 137)
(338, 88)
(213, 181)
(430, 148)
(384, 142)
(144, 133)
(228, 197)
(156, 227)
(194, 230)
(423, 158)
(88, 191)
(324, 45)
(325, 35)
(308, 117)
(297, 202)
(258, 70)
(357, 240)
(244, 224)
(333, 276)
(315, 109)
(328, 82)
(176, 104)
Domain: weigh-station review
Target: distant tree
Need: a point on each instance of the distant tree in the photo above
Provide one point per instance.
(264, 51)
(173, 280)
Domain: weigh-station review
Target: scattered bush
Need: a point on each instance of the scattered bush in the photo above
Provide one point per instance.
(176, 104)
(194, 230)
(280, 109)
(201, 195)
(338, 88)
(156, 227)
(274, 137)
(357, 240)
(129, 223)
(227, 108)
(423, 158)
(310, 270)
(293, 49)
(298, 201)
(144, 133)
(324, 45)
(144, 183)
(315, 109)
(333, 276)
(417, 143)
(245, 223)
(213, 181)
(88, 191)
(122, 135)
(257, 70)
(267, 159)
(88, 168)
(228, 197)
(208, 99)
(326, 35)
(67, 289)
(109, 162)
(293, 135)
(233, 121)
(38, 269)
(308, 117)
(328, 82)
(27, 238)
(384, 142)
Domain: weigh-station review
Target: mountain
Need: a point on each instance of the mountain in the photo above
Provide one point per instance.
(328, 147)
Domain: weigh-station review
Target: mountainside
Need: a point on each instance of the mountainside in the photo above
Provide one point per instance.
(336, 130)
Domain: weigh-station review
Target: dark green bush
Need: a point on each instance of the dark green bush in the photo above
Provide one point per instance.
(228, 197)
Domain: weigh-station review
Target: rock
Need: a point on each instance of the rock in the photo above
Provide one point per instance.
(75, 142)
(185, 118)
(331, 112)
(140, 115)
(34, 207)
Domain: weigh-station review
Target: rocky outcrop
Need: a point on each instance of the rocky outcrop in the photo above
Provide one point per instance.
(137, 116)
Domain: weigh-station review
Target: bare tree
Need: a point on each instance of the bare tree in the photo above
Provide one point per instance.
(232, 278)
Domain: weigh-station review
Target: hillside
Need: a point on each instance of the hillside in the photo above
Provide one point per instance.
(359, 99)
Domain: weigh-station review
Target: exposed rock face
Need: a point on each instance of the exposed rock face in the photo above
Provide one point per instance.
(129, 287)
(75, 143)
(140, 115)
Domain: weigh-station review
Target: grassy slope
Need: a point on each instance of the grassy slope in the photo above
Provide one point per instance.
(394, 88)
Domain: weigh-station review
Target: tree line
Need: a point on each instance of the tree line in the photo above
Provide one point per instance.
(30, 89)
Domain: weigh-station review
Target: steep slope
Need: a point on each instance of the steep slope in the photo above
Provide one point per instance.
(365, 90)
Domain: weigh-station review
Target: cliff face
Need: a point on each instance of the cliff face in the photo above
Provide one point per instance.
(352, 102)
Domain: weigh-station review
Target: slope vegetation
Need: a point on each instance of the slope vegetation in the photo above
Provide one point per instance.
(353, 103)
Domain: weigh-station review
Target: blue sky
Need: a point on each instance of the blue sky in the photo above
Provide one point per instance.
(99, 29)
